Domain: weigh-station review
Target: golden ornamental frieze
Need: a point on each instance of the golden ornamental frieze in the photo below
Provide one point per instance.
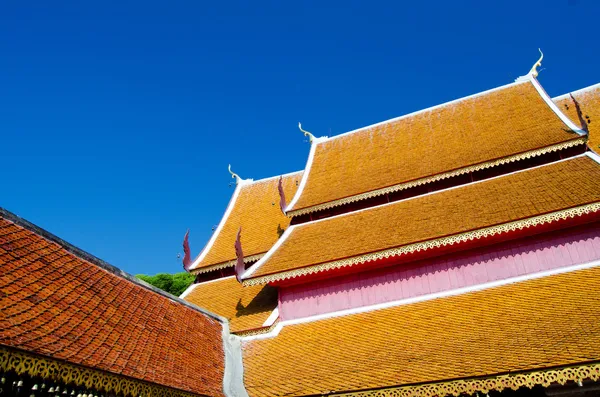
(439, 177)
(515, 381)
(223, 265)
(426, 245)
(49, 369)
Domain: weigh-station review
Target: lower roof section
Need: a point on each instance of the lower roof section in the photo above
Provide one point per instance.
(514, 201)
(245, 308)
(526, 326)
(59, 302)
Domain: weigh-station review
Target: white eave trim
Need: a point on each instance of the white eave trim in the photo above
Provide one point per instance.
(563, 117)
(272, 318)
(578, 92)
(187, 291)
(269, 253)
(213, 238)
(311, 156)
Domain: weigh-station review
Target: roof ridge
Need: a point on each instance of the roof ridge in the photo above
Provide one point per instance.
(411, 114)
(94, 260)
(579, 91)
(275, 177)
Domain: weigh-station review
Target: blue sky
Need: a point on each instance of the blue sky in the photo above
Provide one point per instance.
(118, 119)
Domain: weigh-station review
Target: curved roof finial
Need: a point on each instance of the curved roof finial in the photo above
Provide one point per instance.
(534, 71)
(234, 175)
(310, 136)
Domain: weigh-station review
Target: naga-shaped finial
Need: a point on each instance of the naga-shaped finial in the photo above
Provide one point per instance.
(234, 175)
(534, 71)
(310, 136)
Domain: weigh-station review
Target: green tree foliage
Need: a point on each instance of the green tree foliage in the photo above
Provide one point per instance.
(174, 284)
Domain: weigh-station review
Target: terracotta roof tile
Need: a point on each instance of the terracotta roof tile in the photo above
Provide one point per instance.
(512, 197)
(551, 321)
(589, 101)
(493, 125)
(245, 307)
(57, 304)
(257, 211)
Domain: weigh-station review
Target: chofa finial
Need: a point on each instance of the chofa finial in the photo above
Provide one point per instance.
(534, 72)
(234, 175)
(310, 136)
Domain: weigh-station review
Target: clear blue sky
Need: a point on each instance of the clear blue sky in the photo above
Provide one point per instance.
(118, 119)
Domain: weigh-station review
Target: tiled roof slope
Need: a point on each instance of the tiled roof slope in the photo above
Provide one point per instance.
(56, 304)
(246, 308)
(493, 125)
(541, 323)
(553, 187)
(257, 211)
(589, 101)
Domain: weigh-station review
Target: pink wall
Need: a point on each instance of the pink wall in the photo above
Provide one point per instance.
(501, 261)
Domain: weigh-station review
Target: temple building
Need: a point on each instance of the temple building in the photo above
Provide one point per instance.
(453, 251)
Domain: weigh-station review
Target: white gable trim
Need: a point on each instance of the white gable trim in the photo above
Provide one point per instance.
(555, 108)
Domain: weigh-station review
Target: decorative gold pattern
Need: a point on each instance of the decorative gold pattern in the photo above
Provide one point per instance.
(257, 331)
(484, 385)
(438, 177)
(47, 368)
(425, 245)
(223, 265)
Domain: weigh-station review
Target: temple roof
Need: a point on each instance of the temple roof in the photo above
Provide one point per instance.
(494, 127)
(58, 301)
(534, 324)
(589, 101)
(246, 308)
(493, 206)
(255, 208)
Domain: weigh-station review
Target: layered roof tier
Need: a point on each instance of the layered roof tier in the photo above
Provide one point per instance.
(61, 303)
(518, 200)
(246, 308)
(502, 125)
(255, 208)
(589, 102)
(477, 341)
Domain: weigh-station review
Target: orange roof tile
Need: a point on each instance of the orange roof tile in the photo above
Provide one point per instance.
(245, 308)
(255, 208)
(419, 223)
(540, 323)
(589, 101)
(431, 144)
(57, 302)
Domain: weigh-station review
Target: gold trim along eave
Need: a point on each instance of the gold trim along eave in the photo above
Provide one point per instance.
(61, 371)
(256, 331)
(429, 244)
(223, 265)
(438, 177)
(485, 385)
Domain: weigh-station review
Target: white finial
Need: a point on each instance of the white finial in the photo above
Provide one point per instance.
(310, 136)
(234, 175)
(534, 72)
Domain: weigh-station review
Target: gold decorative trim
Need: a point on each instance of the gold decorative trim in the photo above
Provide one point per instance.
(223, 265)
(425, 245)
(515, 381)
(257, 331)
(438, 177)
(71, 374)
